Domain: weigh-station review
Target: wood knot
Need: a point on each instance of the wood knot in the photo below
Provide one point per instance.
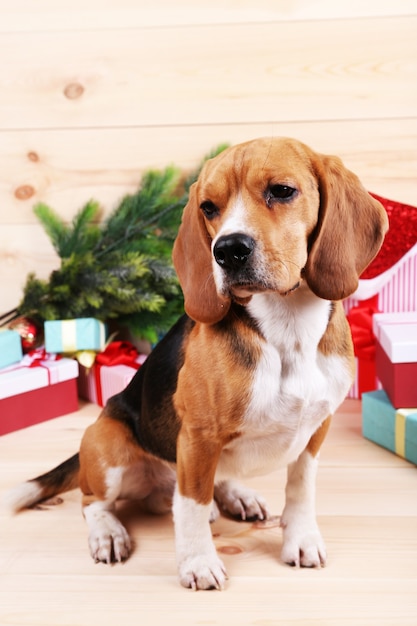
(24, 192)
(229, 550)
(73, 91)
(33, 156)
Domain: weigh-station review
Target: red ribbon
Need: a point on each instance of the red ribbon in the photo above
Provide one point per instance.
(360, 321)
(34, 358)
(116, 353)
(37, 356)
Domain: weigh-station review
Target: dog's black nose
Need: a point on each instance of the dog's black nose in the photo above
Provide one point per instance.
(233, 251)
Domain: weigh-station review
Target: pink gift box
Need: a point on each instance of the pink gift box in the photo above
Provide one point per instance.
(394, 291)
(36, 390)
(396, 362)
(100, 382)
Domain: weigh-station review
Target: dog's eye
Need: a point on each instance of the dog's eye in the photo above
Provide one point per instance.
(279, 193)
(209, 209)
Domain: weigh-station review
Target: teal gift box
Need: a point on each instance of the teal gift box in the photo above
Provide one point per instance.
(10, 347)
(394, 429)
(83, 333)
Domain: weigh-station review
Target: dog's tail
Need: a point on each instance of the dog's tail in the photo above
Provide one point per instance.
(62, 478)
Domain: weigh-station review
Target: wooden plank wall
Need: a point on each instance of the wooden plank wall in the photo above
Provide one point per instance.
(94, 92)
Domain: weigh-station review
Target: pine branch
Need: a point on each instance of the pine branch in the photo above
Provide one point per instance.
(81, 235)
(140, 212)
(84, 233)
(120, 269)
(54, 226)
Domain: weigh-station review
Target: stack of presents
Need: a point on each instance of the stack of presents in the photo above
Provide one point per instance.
(383, 318)
(75, 361)
(47, 382)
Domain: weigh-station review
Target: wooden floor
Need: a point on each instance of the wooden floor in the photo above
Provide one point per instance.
(367, 509)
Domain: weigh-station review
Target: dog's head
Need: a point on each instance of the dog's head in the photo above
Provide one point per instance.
(268, 214)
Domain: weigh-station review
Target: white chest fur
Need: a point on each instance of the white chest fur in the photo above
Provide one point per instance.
(294, 387)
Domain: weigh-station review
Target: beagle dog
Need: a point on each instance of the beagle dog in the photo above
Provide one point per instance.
(273, 237)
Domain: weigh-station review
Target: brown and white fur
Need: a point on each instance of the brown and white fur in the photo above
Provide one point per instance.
(274, 235)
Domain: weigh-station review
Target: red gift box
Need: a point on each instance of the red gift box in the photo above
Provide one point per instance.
(37, 389)
(396, 361)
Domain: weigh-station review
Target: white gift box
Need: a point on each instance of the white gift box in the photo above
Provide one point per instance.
(396, 360)
(36, 389)
(21, 377)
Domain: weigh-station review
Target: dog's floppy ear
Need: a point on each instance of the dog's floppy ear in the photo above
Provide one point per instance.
(193, 263)
(349, 232)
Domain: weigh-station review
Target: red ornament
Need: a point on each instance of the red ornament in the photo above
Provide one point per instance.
(30, 331)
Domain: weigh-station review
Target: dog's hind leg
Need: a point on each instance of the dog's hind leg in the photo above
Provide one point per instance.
(147, 480)
(112, 467)
(108, 539)
(159, 500)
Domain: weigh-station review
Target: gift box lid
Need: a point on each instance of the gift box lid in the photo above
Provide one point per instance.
(25, 376)
(83, 333)
(380, 319)
(399, 342)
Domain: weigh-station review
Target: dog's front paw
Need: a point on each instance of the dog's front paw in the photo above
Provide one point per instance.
(240, 501)
(202, 572)
(108, 539)
(303, 546)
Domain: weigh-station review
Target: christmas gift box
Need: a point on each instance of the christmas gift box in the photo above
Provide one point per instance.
(36, 389)
(393, 429)
(84, 333)
(112, 371)
(10, 347)
(396, 359)
(388, 285)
